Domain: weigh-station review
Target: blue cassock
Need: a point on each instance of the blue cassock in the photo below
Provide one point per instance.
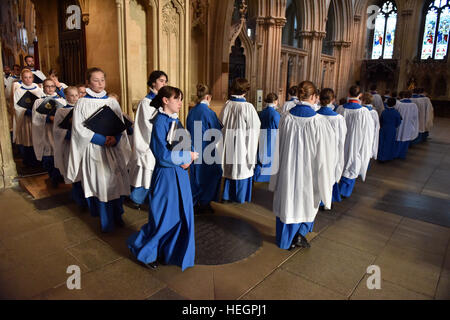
(269, 121)
(205, 178)
(169, 233)
(389, 122)
(325, 111)
(285, 233)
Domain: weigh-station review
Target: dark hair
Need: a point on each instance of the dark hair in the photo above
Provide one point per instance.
(166, 92)
(16, 65)
(155, 75)
(271, 98)
(90, 71)
(342, 101)
(306, 89)
(240, 86)
(373, 87)
(387, 91)
(394, 94)
(326, 96)
(80, 85)
(53, 71)
(354, 91)
(405, 94)
(27, 56)
(367, 98)
(416, 90)
(202, 91)
(292, 91)
(391, 102)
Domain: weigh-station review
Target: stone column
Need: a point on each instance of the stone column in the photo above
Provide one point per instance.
(269, 32)
(343, 63)
(171, 44)
(7, 165)
(312, 42)
(403, 46)
(123, 68)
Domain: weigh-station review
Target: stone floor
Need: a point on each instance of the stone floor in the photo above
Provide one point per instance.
(398, 219)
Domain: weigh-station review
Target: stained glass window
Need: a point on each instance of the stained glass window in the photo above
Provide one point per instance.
(436, 30)
(384, 33)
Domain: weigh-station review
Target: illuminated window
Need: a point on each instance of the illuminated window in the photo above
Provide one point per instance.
(384, 34)
(436, 30)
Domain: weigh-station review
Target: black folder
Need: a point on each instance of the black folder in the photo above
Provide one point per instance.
(128, 123)
(66, 124)
(37, 80)
(27, 100)
(105, 122)
(49, 106)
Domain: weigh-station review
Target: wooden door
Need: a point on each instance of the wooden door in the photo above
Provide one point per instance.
(72, 46)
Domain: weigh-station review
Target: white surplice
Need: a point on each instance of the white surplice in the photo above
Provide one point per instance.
(62, 146)
(376, 132)
(42, 132)
(306, 168)
(101, 170)
(142, 161)
(409, 128)
(22, 124)
(358, 142)
(288, 105)
(241, 128)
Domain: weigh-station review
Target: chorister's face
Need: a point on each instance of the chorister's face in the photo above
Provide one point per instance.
(16, 70)
(72, 97)
(159, 83)
(49, 87)
(27, 78)
(81, 91)
(97, 83)
(7, 70)
(29, 61)
(173, 105)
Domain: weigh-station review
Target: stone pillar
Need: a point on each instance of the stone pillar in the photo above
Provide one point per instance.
(269, 33)
(403, 45)
(171, 24)
(7, 165)
(312, 42)
(125, 102)
(343, 63)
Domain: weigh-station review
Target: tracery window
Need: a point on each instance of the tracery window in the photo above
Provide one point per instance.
(384, 33)
(436, 30)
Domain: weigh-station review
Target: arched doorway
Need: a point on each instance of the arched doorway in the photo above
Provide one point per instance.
(72, 42)
(237, 62)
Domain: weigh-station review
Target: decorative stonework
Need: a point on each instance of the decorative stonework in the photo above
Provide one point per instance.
(170, 19)
(199, 13)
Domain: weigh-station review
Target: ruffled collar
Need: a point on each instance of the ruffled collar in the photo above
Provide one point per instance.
(205, 102)
(271, 105)
(92, 94)
(32, 87)
(305, 103)
(173, 115)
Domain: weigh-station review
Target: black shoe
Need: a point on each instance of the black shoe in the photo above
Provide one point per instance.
(119, 222)
(302, 242)
(293, 244)
(152, 265)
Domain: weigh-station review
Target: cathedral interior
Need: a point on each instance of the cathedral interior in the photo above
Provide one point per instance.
(398, 219)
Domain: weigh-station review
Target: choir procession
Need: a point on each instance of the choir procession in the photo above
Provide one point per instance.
(224, 150)
(311, 151)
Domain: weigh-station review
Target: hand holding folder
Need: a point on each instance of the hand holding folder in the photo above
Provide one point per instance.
(105, 122)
